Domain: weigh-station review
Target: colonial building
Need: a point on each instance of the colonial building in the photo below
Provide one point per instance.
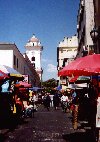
(97, 22)
(34, 51)
(11, 56)
(85, 24)
(66, 52)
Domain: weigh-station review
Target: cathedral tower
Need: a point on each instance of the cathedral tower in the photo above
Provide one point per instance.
(34, 51)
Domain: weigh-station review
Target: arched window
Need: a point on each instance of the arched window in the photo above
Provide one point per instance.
(33, 64)
(33, 58)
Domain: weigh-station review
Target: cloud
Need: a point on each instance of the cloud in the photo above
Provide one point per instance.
(49, 75)
(51, 68)
(46, 60)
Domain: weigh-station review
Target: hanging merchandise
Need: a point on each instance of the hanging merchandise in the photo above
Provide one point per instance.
(5, 86)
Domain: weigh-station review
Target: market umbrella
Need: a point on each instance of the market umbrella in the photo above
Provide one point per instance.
(88, 65)
(8, 70)
(80, 79)
(69, 69)
(59, 87)
(25, 84)
(73, 79)
(35, 88)
(3, 75)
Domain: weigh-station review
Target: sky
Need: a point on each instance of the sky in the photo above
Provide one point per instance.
(49, 20)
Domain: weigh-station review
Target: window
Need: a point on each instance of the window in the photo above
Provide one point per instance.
(17, 62)
(33, 65)
(69, 50)
(14, 60)
(61, 51)
(24, 70)
(33, 58)
(64, 77)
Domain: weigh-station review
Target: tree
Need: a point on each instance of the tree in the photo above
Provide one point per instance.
(51, 83)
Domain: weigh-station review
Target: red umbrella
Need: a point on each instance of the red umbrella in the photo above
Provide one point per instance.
(80, 79)
(3, 75)
(72, 80)
(88, 65)
(25, 84)
(70, 69)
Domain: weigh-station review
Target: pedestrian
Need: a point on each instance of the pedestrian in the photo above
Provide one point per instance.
(56, 100)
(47, 101)
(34, 100)
(19, 108)
(29, 109)
(64, 101)
(74, 96)
(92, 107)
(51, 96)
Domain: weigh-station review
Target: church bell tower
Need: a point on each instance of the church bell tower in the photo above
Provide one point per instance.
(34, 52)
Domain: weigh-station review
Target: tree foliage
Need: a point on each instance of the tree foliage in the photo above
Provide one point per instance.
(51, 83)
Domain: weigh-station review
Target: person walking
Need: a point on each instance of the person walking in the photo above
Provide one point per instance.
(64, 102)
(47, 101)
(56, 100)
(35, 100)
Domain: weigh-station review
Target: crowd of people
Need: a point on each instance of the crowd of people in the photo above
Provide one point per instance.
(58, 99)
(85, 99)
(63, 99)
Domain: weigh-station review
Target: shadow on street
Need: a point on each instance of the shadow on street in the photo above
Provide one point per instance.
(78, 137)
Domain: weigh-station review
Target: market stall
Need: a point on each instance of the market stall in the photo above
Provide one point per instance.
(87, 66)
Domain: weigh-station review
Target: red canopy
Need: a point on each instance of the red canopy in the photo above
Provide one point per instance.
(25, 84)
(80, 79)
(3, 75)
(88, 65)
(72, 80)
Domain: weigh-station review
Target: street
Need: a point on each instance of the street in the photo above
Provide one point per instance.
(46, 126)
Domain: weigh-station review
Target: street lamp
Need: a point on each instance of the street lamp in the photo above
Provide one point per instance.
(94, 35)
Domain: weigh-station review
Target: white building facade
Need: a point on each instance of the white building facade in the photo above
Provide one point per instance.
(85, 23)
(34, 52)
(66, 52)
(11, 56)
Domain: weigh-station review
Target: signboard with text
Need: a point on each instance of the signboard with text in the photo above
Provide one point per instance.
(26, 78)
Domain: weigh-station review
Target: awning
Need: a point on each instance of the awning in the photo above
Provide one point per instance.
(76, 86)
(8, 70)
(25, 84)
(88, 66)
(3, 75)
(72, 80)
(80, 79)
(23, 89)
(59, 87)
(35, 88)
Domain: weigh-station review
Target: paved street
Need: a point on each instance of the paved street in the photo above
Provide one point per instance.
(46, 126)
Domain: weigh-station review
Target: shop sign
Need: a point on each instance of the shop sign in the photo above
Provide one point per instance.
(26, 78)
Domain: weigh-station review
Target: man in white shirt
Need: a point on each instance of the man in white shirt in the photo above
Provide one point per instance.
(35, 100)
(64, 102)
(64, 98)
